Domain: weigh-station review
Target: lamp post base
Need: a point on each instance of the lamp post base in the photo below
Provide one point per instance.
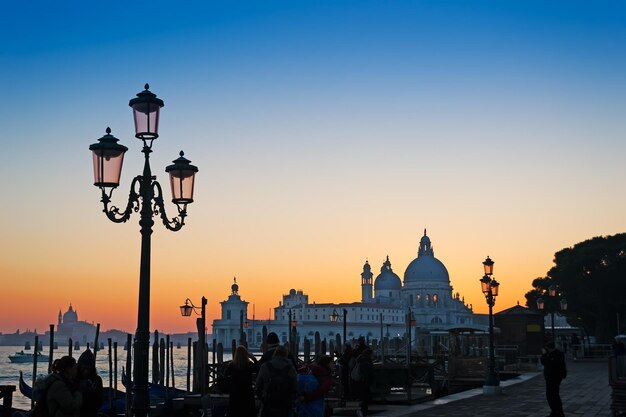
(492, 389)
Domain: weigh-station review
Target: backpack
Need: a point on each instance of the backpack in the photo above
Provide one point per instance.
(279, 390)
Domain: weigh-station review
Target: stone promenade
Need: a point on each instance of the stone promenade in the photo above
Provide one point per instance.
(585, 392)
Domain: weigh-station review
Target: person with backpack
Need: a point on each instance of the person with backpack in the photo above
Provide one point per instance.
(554, 371)
(58, 393)
(92, 383)
(311, 400)
(276, 385)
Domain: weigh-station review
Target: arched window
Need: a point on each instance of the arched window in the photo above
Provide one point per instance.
(427, 298)
(436, 320)
(435, 298)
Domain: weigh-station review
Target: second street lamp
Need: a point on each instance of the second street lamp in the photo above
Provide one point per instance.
(335, 317)
(551, 302)
(186, 310)
(145, 197)
(489, 287)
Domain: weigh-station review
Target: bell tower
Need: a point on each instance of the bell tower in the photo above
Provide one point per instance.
(366, 283)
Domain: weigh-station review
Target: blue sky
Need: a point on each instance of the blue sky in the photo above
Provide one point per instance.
(332, 130)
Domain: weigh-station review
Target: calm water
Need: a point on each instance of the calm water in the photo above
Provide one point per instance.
(10, 372)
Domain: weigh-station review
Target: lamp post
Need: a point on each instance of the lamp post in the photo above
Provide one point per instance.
(146, 197)
(185, 310)
(411, 323)
(489, 288)
(335, 317)
(552, 301)
(241, 336)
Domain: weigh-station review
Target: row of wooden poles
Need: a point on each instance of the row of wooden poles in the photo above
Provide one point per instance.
(163, 359)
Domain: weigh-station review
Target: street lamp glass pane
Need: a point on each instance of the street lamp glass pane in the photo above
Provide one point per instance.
(488, 265)
(564, 304)
(185, 310)
(552, 290)
(494, 288)
(146, 116)
(182, 183)
(107, 167)
(540, 303)
(484, 284)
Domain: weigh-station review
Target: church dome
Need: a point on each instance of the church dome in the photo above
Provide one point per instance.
(387, 280)
(426, 267)
(70, 316)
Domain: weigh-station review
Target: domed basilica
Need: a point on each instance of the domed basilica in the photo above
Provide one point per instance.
(424, 298)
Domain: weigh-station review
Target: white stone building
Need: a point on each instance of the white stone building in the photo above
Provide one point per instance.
(425, 299)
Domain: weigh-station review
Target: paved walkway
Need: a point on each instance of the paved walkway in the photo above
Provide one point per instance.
(585, 392)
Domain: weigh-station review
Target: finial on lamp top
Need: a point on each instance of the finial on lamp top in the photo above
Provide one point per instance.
(147, 86)
(181, 153)
(108, 130)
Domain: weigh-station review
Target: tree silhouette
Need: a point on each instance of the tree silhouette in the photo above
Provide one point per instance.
(592, 276)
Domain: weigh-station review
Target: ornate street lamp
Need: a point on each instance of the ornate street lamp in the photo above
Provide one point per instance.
(552, 301)
(146, 197)
(489, 288)
(185, 311)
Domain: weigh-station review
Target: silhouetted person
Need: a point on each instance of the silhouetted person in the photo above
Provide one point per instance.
(554, 371)
(575, 341)
(272, 343)
(276, 385)
(364, 372)
(312, 403)
(63, 398)
(344, 367)
(91, 383)
(239, 376)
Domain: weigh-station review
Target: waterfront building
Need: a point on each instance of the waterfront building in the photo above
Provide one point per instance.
(68, 326)
(424, 299)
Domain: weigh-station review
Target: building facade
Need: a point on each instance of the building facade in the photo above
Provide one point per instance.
(425, 300)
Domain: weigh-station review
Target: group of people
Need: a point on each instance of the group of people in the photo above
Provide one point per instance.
(284, 389)
(73, 389)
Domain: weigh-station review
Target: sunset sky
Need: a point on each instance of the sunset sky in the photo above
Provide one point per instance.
(325, 132)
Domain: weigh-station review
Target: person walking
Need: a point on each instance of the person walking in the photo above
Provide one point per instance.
(276, 385)
(92, 384)
(554, 371)
(62, 396)
(363, 376)
(239, 386)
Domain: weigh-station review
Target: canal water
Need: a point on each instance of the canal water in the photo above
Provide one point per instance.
(10, 372)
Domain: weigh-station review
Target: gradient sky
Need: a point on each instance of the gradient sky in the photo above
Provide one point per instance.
(326, 132)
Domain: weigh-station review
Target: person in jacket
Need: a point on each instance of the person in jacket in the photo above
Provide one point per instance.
(272, 343)
(276, 385)
(554, 371)
(312, 403)
(238, 375)
(63, 398)
(365, 381)
(91, 382)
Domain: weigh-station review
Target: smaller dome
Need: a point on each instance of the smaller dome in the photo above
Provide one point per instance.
(387, 280)
(425, 239)
(235, 287)
(292, 292)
